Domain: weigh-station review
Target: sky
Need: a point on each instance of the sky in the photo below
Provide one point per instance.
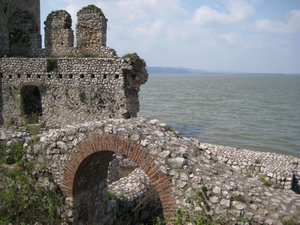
(260, 36)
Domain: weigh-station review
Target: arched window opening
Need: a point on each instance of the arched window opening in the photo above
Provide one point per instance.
(31, 103)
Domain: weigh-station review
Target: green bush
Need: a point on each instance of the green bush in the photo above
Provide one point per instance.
(34, 129)
(15, 153)
(23, 201)
(31, 119)
(134, 57)
(288, 220)
(112, 195)
(52, 65)
(3, 149)
(171, 129)
(265, 181)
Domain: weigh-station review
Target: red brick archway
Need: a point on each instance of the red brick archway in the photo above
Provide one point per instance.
(161, 182)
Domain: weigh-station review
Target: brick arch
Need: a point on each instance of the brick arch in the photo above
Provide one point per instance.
(160, 181)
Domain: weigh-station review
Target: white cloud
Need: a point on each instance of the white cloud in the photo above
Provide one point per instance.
(134, 18)
(292, 24)
(206, 14)
(131, 9)
(237, 11)
(150, 30)
(230, 38)
(141, 11)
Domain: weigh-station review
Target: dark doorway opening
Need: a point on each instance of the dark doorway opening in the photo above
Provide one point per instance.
(31, 103)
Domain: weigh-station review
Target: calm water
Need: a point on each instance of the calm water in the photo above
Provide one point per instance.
(258, 113)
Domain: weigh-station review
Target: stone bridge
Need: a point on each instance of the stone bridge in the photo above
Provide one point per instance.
(185, 175)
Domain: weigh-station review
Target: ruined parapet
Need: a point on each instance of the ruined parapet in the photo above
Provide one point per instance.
(136, 76)
(20, 28)
(91, 30)
(64, 91)
(59, 36)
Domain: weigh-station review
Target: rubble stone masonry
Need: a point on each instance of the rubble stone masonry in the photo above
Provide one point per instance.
(71, 90)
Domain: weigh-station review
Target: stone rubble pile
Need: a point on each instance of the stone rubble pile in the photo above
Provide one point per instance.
(132, 186)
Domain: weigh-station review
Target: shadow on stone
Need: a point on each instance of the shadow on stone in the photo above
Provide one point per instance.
(295, 185)
(128, 198)
(31, 103)
(1, 100)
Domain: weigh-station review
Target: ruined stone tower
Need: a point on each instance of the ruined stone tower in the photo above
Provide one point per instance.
(59, 36)
(91, 28)
(20, 28)
(76, 83)
(91, 35)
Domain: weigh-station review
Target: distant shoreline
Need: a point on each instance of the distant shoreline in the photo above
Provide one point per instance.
(153, 70)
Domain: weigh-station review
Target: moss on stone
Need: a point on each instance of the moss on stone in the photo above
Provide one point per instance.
(52, 65)
(289, 220)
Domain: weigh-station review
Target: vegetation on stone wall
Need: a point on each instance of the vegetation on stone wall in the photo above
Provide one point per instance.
(186, 216)
(171, 129)
(52, 64)
(82, 97)
(22, 199)
(289, 220)
(134, 57)
(269, 183)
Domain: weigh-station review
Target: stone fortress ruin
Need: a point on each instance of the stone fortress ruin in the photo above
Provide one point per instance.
(62, 83)
(88, 97)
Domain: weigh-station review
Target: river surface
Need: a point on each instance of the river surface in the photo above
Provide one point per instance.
(254, 112)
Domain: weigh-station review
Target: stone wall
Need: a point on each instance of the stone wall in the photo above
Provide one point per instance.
(271, 167)
(118, 167)
(20, 28)
(186, 175)
(71, 90)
